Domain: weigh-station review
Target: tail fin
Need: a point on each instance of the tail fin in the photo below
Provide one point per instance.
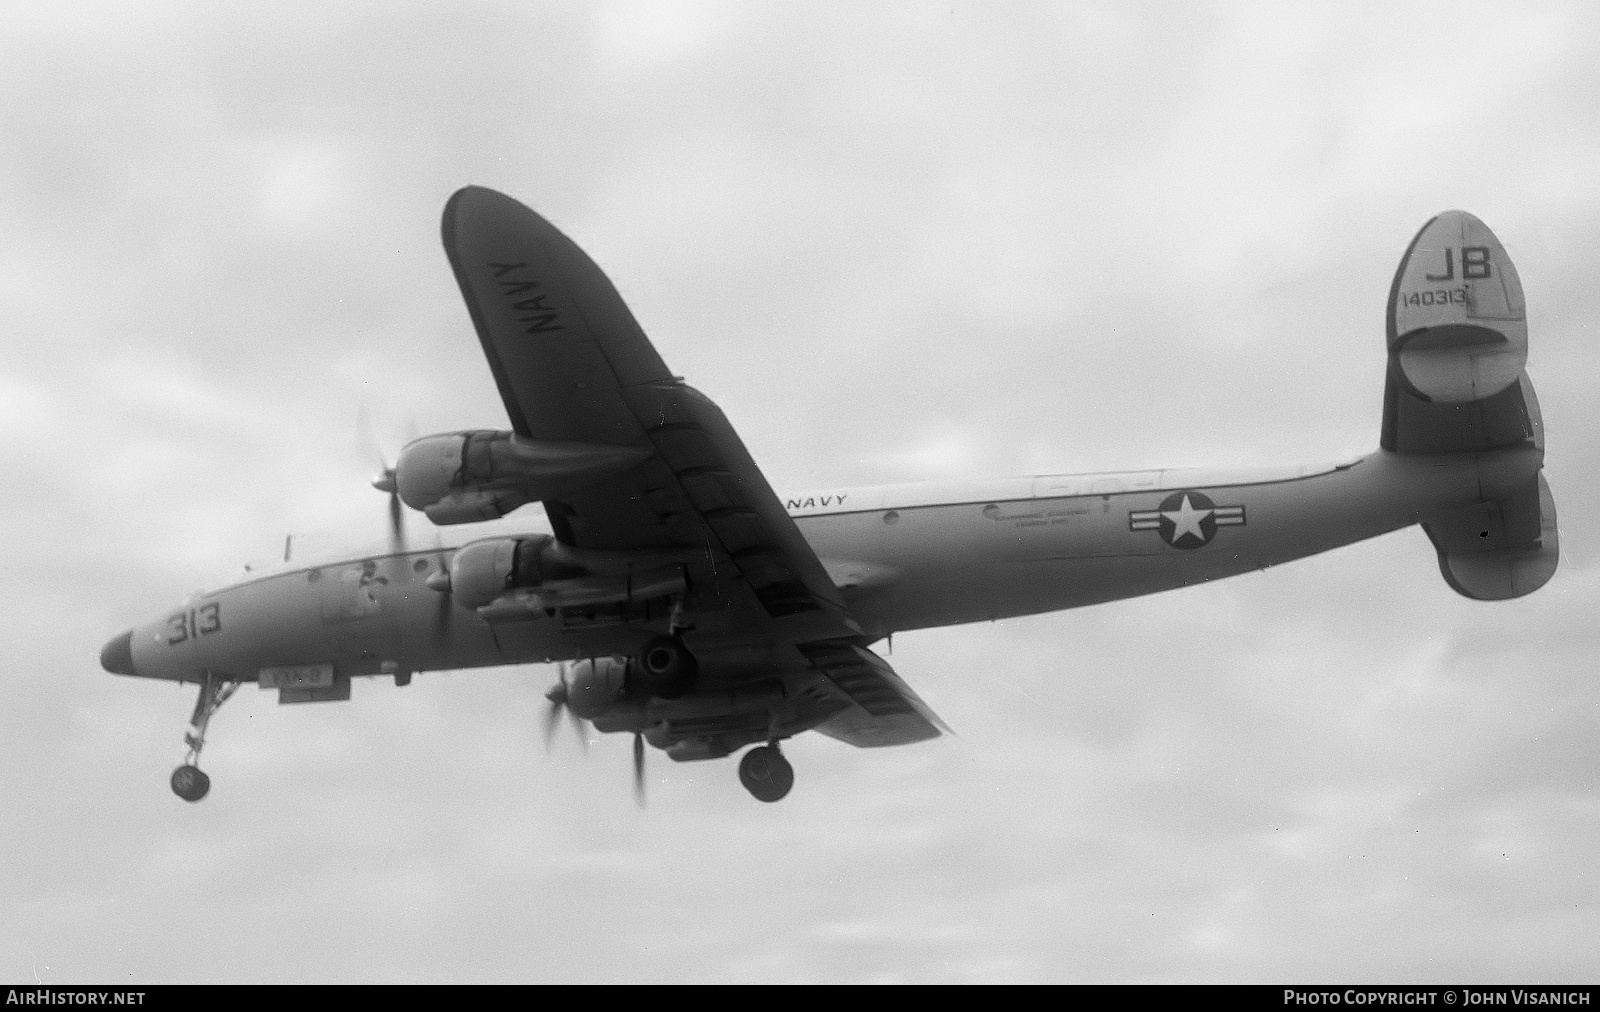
(1458, 344)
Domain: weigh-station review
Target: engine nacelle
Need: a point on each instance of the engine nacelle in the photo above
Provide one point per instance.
(482, 571)
(504, 579)
(595, 685)
(483, 474)
(664, 668)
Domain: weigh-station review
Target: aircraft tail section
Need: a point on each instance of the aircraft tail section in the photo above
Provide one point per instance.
(1458, 344)
(1458, 341)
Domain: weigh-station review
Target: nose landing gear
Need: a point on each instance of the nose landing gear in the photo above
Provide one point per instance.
(188, 782)
(765, 773)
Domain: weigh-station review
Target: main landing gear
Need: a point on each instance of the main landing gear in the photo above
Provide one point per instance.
(765, 773)
(188, 782)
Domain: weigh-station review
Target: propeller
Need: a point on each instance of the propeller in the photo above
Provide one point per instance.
(439, 581)
(638, 768)
(559, 702)
(552, 714)
(384, 481)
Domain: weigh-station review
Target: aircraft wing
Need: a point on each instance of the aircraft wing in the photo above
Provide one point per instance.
(883, 711)
(572, 365)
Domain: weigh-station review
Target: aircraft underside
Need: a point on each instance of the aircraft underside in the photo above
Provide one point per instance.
(690, 607)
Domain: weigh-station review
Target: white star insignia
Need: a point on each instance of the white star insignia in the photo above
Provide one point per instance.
(1186, 520)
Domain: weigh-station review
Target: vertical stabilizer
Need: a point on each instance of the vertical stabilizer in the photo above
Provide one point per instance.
(1458, 347)
(1457, 341)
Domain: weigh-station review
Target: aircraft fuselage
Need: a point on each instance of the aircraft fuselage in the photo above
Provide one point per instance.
(905, 557)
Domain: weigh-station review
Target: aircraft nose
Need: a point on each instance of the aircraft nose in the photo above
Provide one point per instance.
(117, 655)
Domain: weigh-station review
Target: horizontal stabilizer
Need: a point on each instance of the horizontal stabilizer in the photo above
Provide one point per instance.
(1497, 550)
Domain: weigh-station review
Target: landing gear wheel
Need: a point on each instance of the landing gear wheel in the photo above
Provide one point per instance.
(189, 783)
(665, 668)
(765, 773)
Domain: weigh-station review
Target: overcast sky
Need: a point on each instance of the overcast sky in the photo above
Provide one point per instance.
(894, 242)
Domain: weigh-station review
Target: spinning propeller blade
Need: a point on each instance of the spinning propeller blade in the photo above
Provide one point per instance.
(552, 714)
(441, 619)
(384, 481)
(578, 731)
(397, 523)
(638, 768)
(439, 582)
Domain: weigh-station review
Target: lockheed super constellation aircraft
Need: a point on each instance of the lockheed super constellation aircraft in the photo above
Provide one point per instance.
(697, 610)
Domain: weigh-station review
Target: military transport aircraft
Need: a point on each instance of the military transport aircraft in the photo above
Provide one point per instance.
(692, 607)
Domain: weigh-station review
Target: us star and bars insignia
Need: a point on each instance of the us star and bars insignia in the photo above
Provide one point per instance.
(1186, 520)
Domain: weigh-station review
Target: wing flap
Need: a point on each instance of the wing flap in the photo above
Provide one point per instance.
(886, 711)
(727, 490)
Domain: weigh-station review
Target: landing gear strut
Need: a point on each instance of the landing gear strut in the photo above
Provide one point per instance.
(188, 782)
(765, 773)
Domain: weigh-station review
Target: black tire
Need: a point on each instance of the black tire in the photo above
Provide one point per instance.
(766, 774)
(664, 668)
(190, 783)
